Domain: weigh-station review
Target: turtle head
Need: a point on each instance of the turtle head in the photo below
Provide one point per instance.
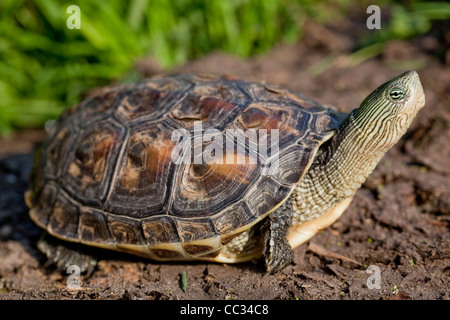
(385, 115)
(345, 161)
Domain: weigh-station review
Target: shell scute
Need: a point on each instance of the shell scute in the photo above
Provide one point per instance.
(125, 230)
(195, 229)
(63, 220)
(160, 229)
(233, 217)
(142, 182)
(42, 203)
(92, 227)
(90, 163)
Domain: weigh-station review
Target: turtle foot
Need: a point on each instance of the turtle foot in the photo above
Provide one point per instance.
(64, 254)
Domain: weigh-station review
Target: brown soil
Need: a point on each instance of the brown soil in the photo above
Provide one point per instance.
(398, 221)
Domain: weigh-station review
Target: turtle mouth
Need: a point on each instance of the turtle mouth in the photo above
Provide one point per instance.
(420, 97)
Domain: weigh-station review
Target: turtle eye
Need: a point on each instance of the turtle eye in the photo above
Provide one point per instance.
(396, 94)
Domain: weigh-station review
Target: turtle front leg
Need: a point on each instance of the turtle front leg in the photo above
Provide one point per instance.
(276, 249)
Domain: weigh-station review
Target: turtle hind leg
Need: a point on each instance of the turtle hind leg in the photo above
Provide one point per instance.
(276, 248)
(64, 254)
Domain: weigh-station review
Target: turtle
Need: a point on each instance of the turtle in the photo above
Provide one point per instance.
(207, 167)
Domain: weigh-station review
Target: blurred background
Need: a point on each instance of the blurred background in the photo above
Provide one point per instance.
(46, 67)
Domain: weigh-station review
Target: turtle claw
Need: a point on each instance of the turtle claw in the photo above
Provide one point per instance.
(280, 256)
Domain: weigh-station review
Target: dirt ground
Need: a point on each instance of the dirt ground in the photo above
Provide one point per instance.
(398, 221)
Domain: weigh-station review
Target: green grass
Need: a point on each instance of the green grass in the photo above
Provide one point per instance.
(46, 67)
(183, 279)
(406, 22)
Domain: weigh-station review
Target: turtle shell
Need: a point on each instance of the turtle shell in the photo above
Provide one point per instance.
(125, 169)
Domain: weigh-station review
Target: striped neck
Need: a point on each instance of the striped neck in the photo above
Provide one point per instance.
(339, 169)
(356, 152)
